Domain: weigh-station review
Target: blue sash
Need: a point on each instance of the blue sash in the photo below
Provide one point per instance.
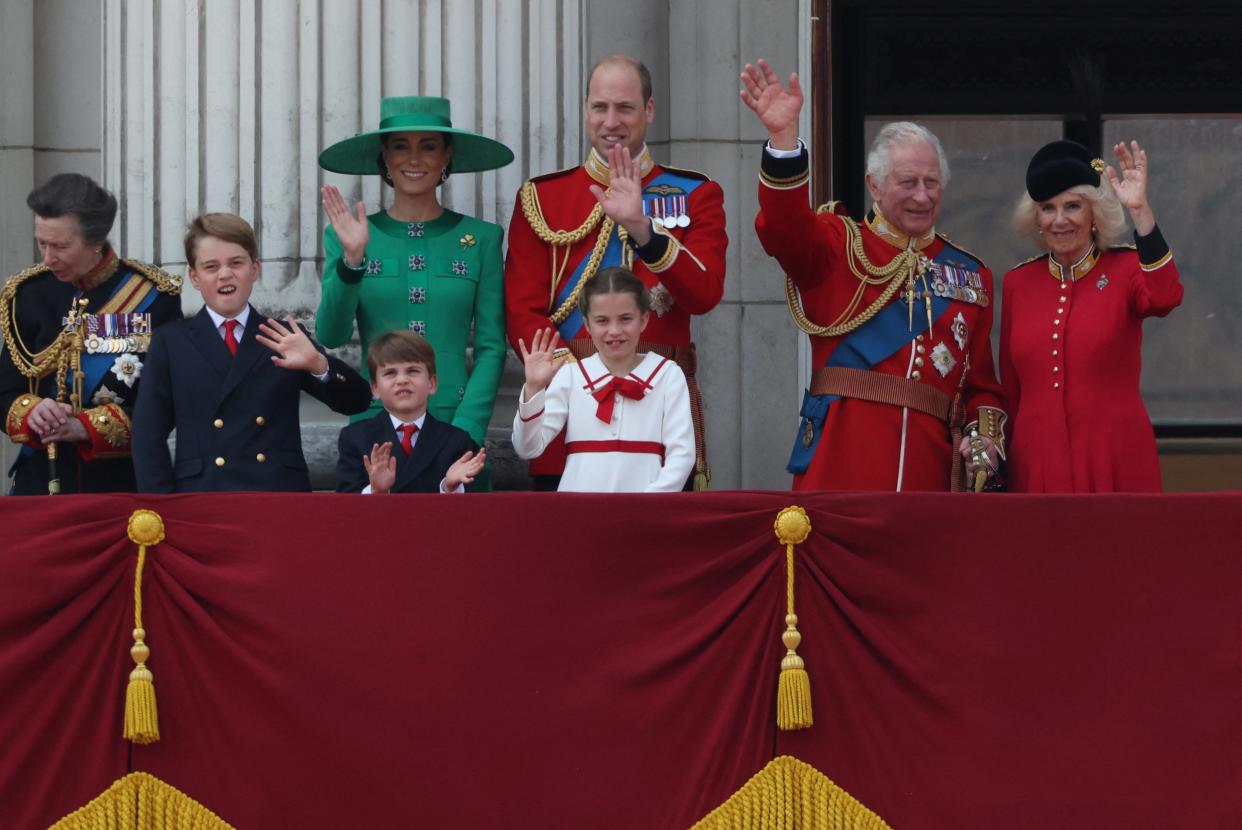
(662, 183)
(879, 338)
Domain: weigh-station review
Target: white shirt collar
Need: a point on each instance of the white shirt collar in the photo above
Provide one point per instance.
(218, 319)
(418, 422)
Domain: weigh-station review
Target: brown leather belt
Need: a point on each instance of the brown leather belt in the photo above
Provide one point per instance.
(684, 356)
(898, 391)
(881, 388)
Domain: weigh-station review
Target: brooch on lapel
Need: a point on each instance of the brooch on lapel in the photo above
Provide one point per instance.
(467, 241)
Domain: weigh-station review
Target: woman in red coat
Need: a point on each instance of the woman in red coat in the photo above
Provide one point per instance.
(1072, 326)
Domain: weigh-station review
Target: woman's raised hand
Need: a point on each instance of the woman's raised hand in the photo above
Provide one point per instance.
(1131, 185)
(352, 230)
(776, 106)
(540, 361)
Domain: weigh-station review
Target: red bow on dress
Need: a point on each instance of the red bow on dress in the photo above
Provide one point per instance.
(606, 395)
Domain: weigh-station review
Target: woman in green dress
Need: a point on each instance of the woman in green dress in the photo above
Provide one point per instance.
(417, 265)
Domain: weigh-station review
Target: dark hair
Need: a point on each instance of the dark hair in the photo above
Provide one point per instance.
(614, 280)
(644, 74)
(225, 226)
(74, 194)
(383, 168)
(400, 347)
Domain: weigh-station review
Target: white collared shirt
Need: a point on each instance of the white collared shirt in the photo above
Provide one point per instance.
(220, 319)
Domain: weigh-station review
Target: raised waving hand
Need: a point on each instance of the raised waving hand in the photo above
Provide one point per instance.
(776, 105)
(351, 228)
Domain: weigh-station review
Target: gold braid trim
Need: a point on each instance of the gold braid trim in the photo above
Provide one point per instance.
(531, 209)
(791, 793)
(165, 282)
(901, 270)
(32, 365)
(111, 422)
(534, 216)
(140, 800)
(17, 413)
(597, 255)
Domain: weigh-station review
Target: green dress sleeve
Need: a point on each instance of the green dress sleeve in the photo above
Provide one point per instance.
(339, 292)
(475, 410)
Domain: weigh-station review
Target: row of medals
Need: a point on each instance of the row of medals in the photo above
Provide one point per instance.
(136, 339)
(958, 284)
(669, 211)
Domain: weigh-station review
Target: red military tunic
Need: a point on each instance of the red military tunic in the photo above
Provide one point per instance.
(866, 445)
(684, 267)
(1071, 356)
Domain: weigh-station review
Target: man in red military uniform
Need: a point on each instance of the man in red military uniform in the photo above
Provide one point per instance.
(618, 208)
(899, 317)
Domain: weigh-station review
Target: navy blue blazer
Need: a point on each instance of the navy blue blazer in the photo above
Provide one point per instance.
(438, 446)
(236, 417)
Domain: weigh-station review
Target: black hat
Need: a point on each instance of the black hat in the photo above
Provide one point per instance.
(1060, 165)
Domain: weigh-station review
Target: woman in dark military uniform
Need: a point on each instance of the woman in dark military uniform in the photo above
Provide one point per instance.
(76, 328)
(418, 265)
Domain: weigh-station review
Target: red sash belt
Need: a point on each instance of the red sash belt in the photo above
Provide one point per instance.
(653, 447)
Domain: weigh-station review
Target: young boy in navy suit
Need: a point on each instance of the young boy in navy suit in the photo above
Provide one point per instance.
(429, 455)
(229, 380)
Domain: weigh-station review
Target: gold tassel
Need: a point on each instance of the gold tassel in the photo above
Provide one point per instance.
(142, 724)
(793, 691)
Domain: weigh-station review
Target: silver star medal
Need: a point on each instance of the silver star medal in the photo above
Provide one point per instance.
(960, 332)
(943, 359)
(661, 300)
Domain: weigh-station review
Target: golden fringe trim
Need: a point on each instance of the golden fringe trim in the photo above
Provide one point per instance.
(142, 725)
(903, 269)
(142, 802)
(793, 691)
(531, 209)
(791, 793)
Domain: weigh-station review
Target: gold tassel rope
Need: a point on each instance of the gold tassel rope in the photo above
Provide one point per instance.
(142, 802)
(793, 692)
(791, 793)
(142, 724)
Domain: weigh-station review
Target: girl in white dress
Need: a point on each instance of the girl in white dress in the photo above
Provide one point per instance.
(626, 415)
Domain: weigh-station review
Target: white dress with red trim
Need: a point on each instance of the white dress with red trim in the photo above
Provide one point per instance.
(624, 435)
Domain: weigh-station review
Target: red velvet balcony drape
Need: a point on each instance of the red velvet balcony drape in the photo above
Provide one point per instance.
(611, 661)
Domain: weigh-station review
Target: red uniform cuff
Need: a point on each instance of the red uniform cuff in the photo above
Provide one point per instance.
(108, 428)
(17, 422)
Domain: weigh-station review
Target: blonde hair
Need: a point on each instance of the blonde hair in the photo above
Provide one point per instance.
(1107, 214)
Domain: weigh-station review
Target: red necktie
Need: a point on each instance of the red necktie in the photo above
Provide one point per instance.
(230, 339)
(606, 395)
(407, 437)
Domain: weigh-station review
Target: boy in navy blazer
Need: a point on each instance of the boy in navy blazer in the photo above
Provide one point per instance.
(429, 455)
(229, 380)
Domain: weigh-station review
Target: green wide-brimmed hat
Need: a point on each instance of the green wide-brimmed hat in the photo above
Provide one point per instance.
(471, 152)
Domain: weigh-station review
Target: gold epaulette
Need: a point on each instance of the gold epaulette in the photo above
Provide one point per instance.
(165, 282)
(1123, 246)
(30, 365)
(969, 253)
